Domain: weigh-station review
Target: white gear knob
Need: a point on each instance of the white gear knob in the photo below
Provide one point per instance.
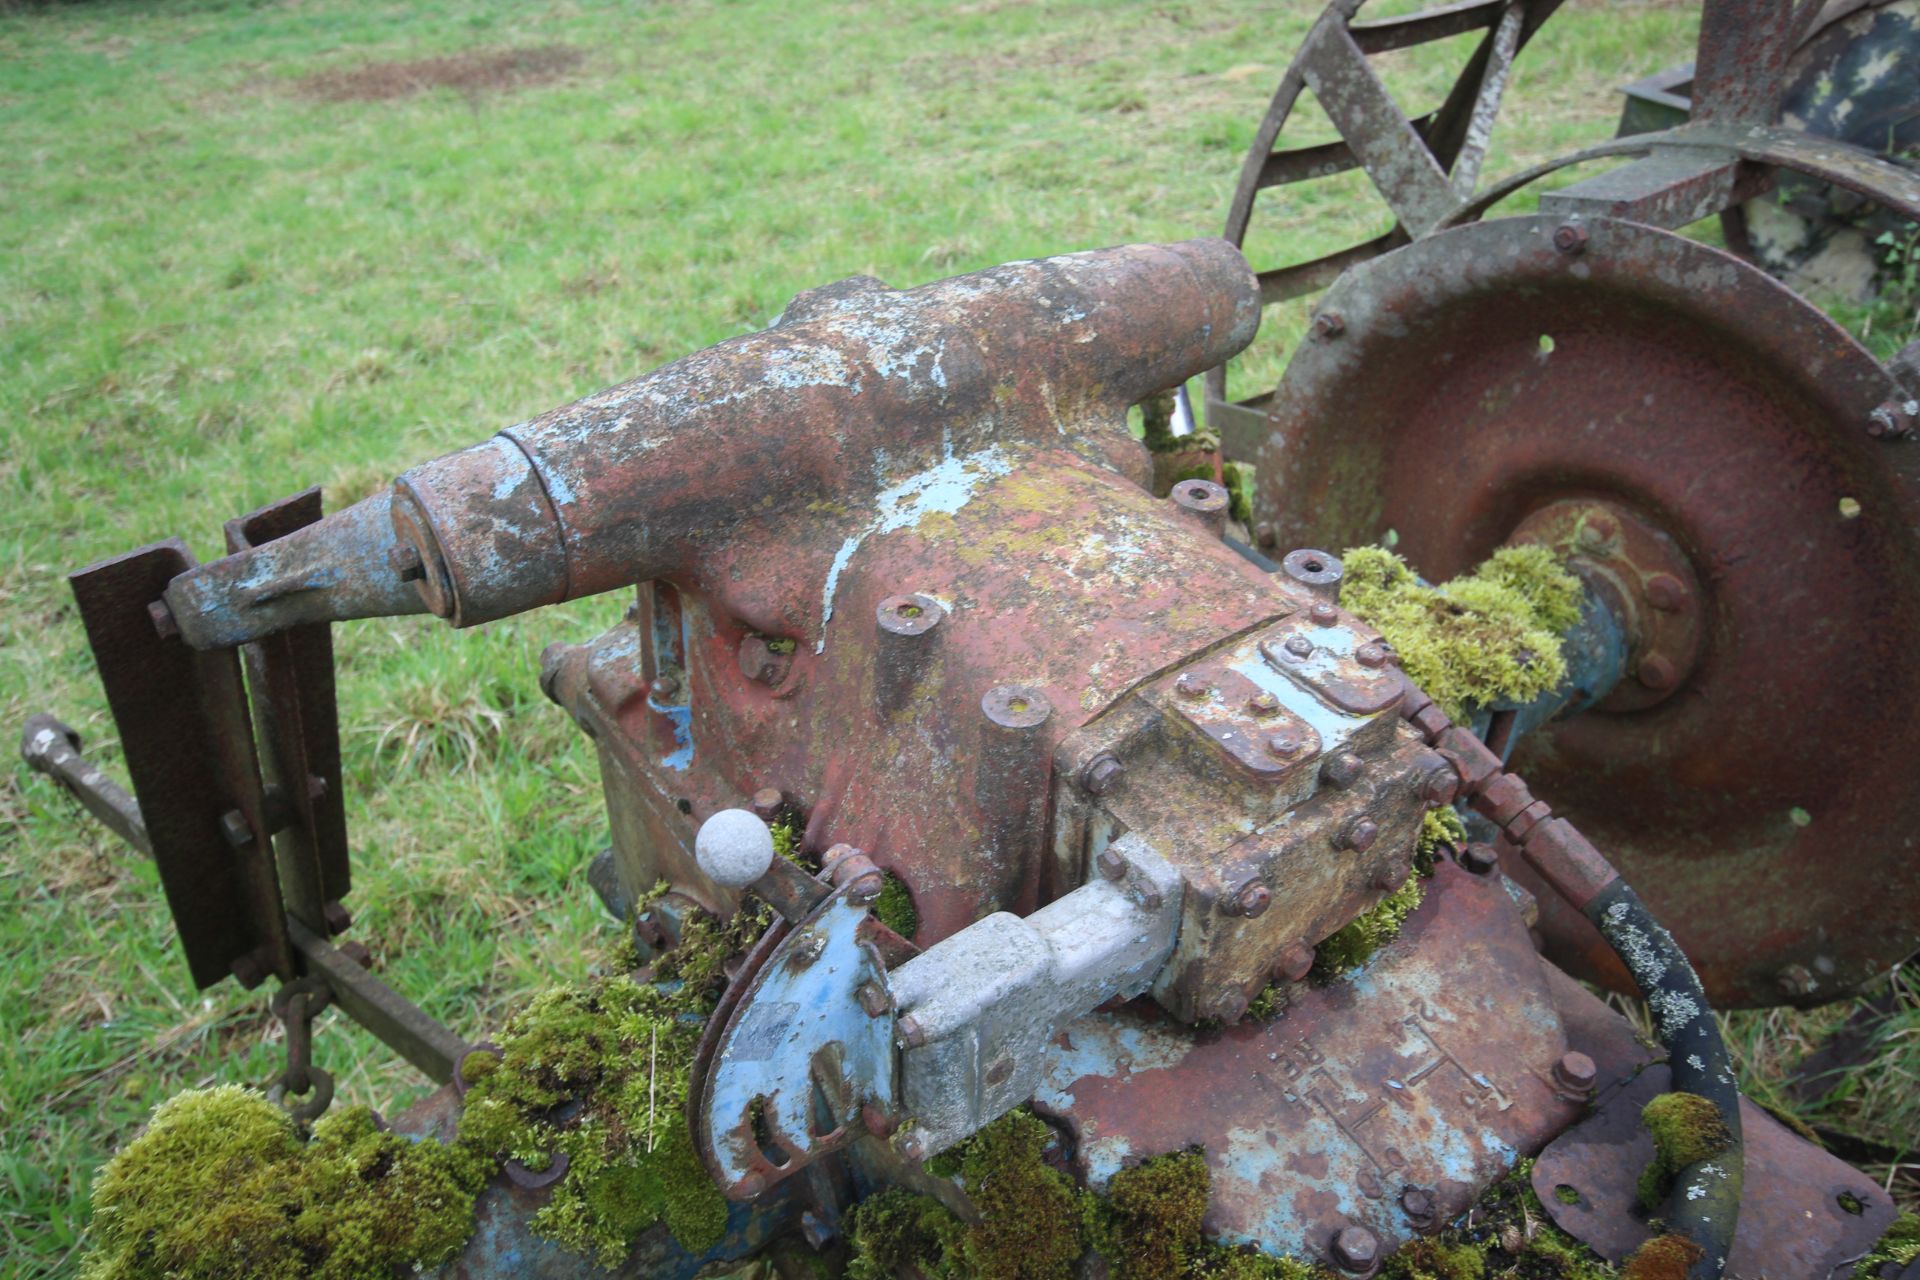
(734, 848)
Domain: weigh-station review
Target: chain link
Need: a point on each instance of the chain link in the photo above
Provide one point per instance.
(296, 1004)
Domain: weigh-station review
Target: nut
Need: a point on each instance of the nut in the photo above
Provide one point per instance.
(1342, 769)
(767, 802)
(406, 562)
(1666, 592)
(1798, 980)
(1103, 774)
(1356, 1249)
(1329, 324)
(1190, 685)
(1418, 1204)
(912, 1035)
(1370, 655)
(1598, 531)
(165, 625)
(1892, 420)
(1479, 858)
(1656, 671)
(1111, 864)
(1284, 745)
(1575, 1071)
(1298, 647)
(1252, 899)
(336, 917)
(1263, 534)
(1294, 963)
(1570, 237)
(1324, 614)
(1263, 704)
(1359, 835)
(1440, 787)
(875, 1001)
(234, 829)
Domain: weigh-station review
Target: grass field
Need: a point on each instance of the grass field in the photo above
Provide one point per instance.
(249, 247)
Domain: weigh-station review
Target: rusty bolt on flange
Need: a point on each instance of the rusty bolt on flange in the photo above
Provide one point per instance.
(1440, 787)
(1359, 835)
(1570, 237)
(1419, 1206)
(1329, 324)
(1666, 593)
(1342, 769)
(876, 1002)
(1479, 858)
(1103, 775)
(1111, 865)
(1323, 614)
(1371, 655)
(406, 561)
(766, 803)
(1893, 420)
(1190, 685)
(1656, 671)
(165, 625)
(1294, 963)
(1356, 1249)
(1251, 900)
(1263, 704)
(1575, 1072)
(1598, 531)
(1298, 647)
(1283, 745)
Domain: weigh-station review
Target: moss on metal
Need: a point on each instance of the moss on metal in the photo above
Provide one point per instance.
(1666, 1257)
(1490, 636)
(221, 1187)
(1686, 1129)
(1899, 1246)
(1508, 1236)
(894, 907)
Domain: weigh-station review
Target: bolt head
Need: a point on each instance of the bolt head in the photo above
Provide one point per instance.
(1329, 324)
(165, 625)
(1440, 787)
(912, 1035)
(1656, 671)
(1252, 900)
(1263, 534)
(1666, 592)
(405, 559)
(234, 829)
(357, 952)
(1479, 858)
(1890, 421)
(1283, 745)
(1294, 963)
(1323, 614)
(1356, 1249)
(1263, 704)
(1342, 769)
(667, 688)
(873, 1000)
(1418, 1203)
(1190, 685)
(767, 802)
(1371, 655)
(336, 917)
(1575, 1071)
(1298, 647)
(1112, 866)
(1570, 237)
(1104, 774)
(1598, 531)
(1359, 835)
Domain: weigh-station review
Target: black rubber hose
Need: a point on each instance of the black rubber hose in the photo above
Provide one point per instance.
(1704, 1205)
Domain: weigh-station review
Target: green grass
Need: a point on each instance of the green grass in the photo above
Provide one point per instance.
(216, 289)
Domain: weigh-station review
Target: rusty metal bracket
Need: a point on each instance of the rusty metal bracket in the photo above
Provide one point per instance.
(184, 728)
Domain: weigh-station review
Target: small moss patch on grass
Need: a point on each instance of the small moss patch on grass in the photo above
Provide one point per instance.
(1487, 637)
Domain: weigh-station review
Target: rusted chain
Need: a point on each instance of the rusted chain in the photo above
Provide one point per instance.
(296, 1004)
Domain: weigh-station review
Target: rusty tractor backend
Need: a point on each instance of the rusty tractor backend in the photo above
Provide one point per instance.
(916, 619)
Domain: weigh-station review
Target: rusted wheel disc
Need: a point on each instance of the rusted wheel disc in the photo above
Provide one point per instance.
(1767, 808)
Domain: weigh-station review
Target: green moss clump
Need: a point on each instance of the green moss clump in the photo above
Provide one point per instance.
(221, 1187)
(1358, 940)
(600, 1071)
(1220, 1263)
(897, 1230)
(1899, 1246)
(1239, 479)
(1030, 1212)
(1156, 430)
(1440, 829)
(1490, 636)
(1148, 1224)
(1665, 1257)
(894, 907)
(1432, 1260)
(1686, 1129)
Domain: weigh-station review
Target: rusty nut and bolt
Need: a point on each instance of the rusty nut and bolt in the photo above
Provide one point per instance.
(1329, 324)
(1598, 531)
(1479, 858)
(1190, 685)
(1111, 865)
(1359, 835)
(1892, 420)
(1323, 614)
(1251, 899)
(1419, 1206)
(1297, 647)
(1283, 745)
(1666, 593)
(1570, 237)
(1263, 704)
(1575, 1072)
(1656, 671)
(1294, 963)
(406, 561)
(875, 1001)
(1342, 769)
(766, 803)
(165, 625)
(911, 1034)
(1440, 787)
(1371, 655)
(1356, 1249)
(1102, 775)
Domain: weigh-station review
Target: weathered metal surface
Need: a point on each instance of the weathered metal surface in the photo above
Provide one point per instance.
(297, 719)
(977, 1010)
(1429, 1070)
(1803, 1212)
(184, 730)
(1668, 188)
(53, 748)
(796, 1035)
(1396, 157)
(1767, 812)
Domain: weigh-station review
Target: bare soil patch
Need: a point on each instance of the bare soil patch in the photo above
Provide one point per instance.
(473, 72)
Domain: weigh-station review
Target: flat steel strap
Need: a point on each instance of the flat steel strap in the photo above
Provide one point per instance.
(299, 722)
(182, 716)
(1394, 153)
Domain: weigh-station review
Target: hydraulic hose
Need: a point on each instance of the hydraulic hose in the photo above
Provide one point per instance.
(1703, 1206)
